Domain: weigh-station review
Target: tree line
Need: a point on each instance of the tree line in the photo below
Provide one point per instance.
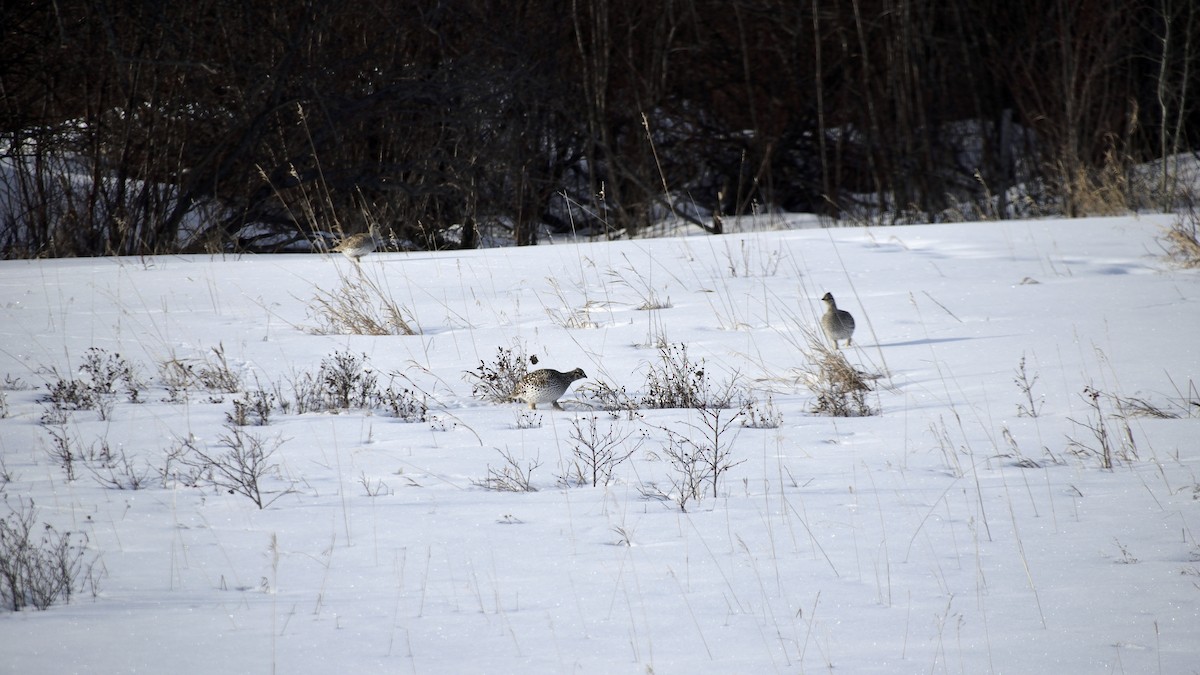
(135, 127)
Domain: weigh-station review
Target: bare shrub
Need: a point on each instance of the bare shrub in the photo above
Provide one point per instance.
(614, 400)
(240, 468)
(102, 377)
(496, 381)
(343, 381)
(374, 488)
(405, 404)
(63, 450)
(105, 371)
(178, 377)
(38, 564)
(65, 395)
(14, 384)
(700, 459)
(120, 473)
(761, 415)
(597, 452)
(6, 475)
(529, 419)
(511, 476)
(678, 382)
(253, 408)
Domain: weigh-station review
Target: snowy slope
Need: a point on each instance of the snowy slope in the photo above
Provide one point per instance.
(947, 534)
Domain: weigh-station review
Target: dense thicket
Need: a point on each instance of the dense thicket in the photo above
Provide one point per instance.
(142, 126)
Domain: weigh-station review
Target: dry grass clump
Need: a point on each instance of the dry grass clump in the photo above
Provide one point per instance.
(1103, 191)
(1183, 240)
(360, 307)
(840, 388)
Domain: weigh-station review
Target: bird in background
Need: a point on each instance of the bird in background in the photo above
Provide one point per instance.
(358, 245)
(838, 324)
(545, 386)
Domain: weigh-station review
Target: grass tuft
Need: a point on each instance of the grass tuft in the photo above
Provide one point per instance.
(1183, 240)
(359, 306)
(840, 388)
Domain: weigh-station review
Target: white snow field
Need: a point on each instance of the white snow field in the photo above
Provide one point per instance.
(954, 532)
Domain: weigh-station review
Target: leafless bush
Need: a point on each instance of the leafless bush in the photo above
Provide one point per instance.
(764, 415)
(6, 475)
(102, 377)
(253, 408)
(66, 395)
(105, 371)
(63, 449)
(529, 419)
(511, 476)
(496, 381)
(701, 458)
(342, 381)
(120, 473)
(240, 468)
(597, 452)
(1109, 436)
(39, 570)
(346, 381)
(678, 382)
(614, 400)
(405, 404)
(14, 384)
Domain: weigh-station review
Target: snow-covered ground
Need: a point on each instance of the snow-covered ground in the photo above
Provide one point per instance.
(950, 533)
